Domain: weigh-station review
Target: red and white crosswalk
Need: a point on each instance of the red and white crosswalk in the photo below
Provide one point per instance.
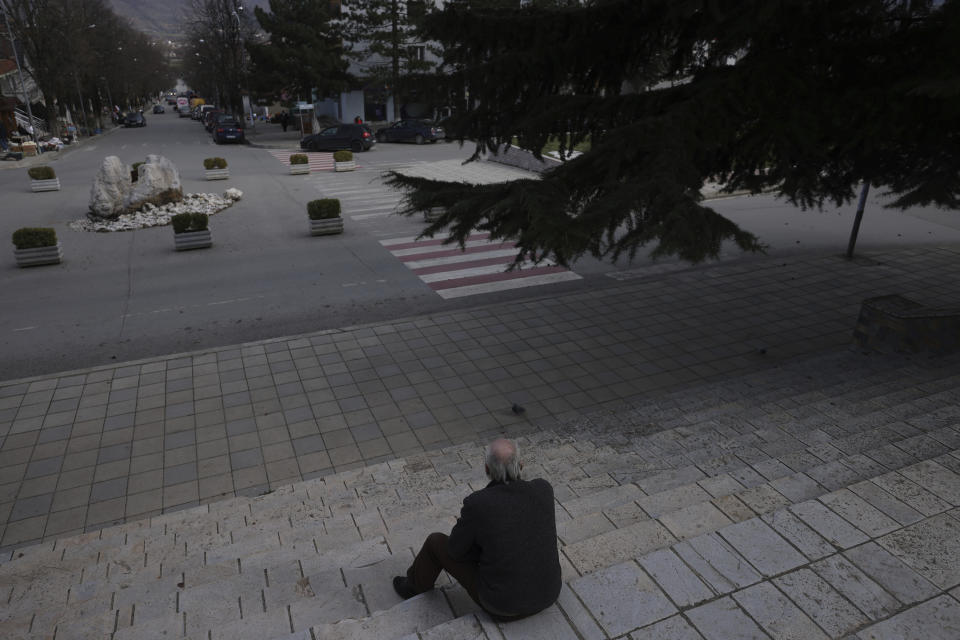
(319, 160)
(480, 267)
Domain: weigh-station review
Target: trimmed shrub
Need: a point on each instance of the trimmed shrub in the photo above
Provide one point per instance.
(342, 156)
(34, 237)
(186, 222)
(299, 158)
(323, 209)
(41, 172)
(214, 163)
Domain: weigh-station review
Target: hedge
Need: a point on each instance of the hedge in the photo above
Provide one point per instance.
(34, 237)
(185, 222)
(41, 172)
(323, 209)
(214, 163)
(342, 156)
(299, 158)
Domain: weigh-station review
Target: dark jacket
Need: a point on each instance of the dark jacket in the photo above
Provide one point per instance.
(510, 530)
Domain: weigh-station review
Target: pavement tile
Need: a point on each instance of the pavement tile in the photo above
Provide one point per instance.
(780, 617)
(622, 598)
(618, 545)
(676, 579)
(832, 527)
(856, 586)
(911, 493)
(859, 513)
(762, 547)
(885, 502)
(694, 520)
(718, 564)
(821, 602)
(930, 547)
(897, 578)
(723, 620)
(937, 619)
(805, 539)
(673, 628)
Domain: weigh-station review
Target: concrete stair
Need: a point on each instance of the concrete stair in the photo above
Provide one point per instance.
(714, 503)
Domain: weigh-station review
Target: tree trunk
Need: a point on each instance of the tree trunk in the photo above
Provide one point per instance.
(856, 221)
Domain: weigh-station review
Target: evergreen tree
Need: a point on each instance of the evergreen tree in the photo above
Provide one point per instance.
(303, 52)
(809, 98)
(385, 40)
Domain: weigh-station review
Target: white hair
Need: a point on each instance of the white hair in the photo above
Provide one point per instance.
(503, 460)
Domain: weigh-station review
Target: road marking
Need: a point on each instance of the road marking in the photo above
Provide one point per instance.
(504, 285)
(499, 267)
(365, 216)
(25, 328)
(481, 266)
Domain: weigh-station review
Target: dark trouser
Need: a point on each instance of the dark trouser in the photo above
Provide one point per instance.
(434, 558)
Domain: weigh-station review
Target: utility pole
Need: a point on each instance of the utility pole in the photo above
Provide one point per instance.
(23, 86)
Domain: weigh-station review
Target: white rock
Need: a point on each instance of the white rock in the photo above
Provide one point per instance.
(158, 181)
(152, 216)
(233, 194)
(110, 188)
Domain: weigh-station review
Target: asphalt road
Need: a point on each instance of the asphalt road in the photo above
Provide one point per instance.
(129, 295)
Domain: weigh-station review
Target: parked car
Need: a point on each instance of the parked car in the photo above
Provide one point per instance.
(227, 129)
(134, 119)
(210, 118)
(158, 108)
(356, 137)
(411, 130)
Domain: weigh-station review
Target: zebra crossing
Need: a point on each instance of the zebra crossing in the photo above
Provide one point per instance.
(481, 266)
(318, 160)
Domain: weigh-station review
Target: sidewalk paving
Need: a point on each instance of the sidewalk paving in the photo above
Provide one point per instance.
(85, 449)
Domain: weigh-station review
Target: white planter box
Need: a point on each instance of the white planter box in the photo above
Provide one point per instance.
(299, 169)
(192, 240)
(345, 166)
(326, 227)
(433, 214)
(38, 256)
(45, 185)
(218, 174)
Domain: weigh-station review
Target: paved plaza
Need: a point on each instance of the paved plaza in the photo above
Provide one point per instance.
(86, 449)
(726, 465)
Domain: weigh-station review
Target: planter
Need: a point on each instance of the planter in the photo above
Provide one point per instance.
(326, 227)
(350, 165)
(433, 214)
(299, 169)
(217, 174)
(45, 185)
(192, 240)
(38, 256)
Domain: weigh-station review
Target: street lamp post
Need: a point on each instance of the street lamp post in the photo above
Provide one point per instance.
(23, 86)
(236, 16)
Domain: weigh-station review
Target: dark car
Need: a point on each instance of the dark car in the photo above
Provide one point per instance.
(158, 108)
(410, 130)
(356, 137)
(227, 129)
(210, 118)
(134, 119)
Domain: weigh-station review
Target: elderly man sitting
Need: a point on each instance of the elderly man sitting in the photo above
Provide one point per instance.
(503, 549)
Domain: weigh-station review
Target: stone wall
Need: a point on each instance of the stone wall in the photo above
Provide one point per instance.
(895, 323)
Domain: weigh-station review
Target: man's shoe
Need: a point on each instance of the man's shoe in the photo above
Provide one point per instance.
(403, 587)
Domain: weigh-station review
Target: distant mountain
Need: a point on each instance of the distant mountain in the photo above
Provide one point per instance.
(163, 18)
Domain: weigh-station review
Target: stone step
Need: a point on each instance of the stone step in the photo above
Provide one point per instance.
(819, 569)
(236, 533)
(708, 516)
